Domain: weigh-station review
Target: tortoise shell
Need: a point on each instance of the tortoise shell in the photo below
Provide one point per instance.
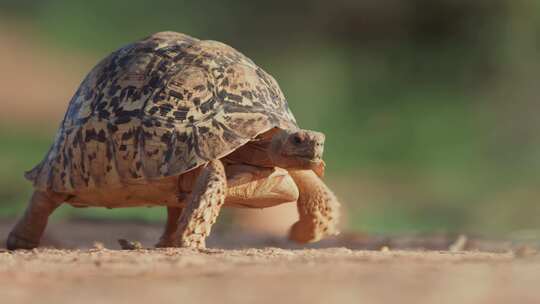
(160, 107)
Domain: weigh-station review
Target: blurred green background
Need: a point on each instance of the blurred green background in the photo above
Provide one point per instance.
(430, 106)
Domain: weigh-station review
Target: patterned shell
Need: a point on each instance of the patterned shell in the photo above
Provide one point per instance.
(160, 107)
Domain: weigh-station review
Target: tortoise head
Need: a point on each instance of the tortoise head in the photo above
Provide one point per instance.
(297, 149)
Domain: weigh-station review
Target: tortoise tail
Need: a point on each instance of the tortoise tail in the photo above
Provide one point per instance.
(32, 175)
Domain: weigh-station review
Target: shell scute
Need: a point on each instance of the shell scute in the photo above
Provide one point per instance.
(160, 107)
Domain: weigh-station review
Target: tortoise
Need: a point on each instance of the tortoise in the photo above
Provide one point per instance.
(171, 120)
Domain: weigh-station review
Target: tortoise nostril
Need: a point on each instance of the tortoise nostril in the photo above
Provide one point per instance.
(296, 139)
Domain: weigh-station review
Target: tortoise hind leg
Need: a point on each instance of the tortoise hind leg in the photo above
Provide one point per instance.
(167, 238)
(203, 206)
(28, 231)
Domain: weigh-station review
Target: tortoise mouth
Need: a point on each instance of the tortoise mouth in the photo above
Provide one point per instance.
(311, 163)
(312, 160)
(312, 155)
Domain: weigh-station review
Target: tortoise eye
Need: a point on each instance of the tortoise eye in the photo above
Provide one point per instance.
(297, 139)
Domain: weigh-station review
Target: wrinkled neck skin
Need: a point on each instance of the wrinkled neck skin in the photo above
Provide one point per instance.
(254, 153)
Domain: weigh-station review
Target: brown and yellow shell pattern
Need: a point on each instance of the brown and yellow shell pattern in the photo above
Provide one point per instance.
(160, 107)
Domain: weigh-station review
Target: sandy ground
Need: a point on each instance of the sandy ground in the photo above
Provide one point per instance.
(340, 271)
(270, 275)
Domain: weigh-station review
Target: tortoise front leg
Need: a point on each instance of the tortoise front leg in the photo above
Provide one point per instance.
(167, 238)
(318, 208)
(28, 231)
(203, 206)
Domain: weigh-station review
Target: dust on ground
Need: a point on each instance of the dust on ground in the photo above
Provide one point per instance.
(254, 270)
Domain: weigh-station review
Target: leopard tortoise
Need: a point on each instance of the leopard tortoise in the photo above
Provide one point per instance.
(189, 124)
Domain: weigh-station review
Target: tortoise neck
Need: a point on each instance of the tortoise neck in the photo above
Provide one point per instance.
(254, 153)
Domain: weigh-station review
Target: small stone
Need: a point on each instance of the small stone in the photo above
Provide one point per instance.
(99, 245)
(525, 251)
(459, 244)
(129, 245)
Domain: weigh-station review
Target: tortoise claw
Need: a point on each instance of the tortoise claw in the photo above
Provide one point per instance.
(15, 242)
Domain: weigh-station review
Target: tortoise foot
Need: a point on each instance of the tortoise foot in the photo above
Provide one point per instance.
(169, 243)
(304, 232)
(15, 242)
(310, 231)
(166, 243)
(194, 242)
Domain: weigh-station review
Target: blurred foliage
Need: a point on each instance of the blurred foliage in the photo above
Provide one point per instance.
(430, 102)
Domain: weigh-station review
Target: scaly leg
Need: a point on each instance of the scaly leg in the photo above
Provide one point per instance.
(28, 231)
(167, 238)
(203, 206)
(318, 208)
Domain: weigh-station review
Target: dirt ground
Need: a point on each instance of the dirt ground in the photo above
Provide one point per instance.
(255, 270)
